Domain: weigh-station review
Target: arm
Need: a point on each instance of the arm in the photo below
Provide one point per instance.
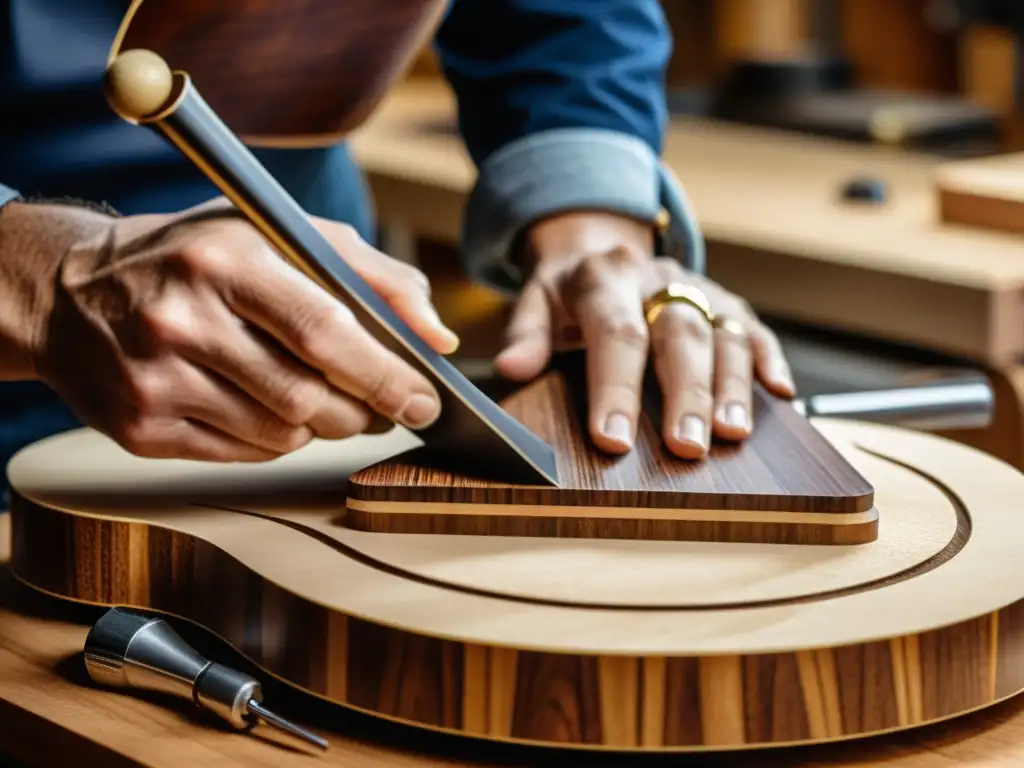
(561, 103)
(177, 335)
(31, 243)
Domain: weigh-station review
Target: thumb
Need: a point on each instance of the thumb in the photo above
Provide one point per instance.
(404, 287)
(528, 339)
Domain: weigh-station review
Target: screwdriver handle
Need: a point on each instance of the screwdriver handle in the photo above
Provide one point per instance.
(127, 650)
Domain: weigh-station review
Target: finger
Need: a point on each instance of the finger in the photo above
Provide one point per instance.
(405, 288)
(324, 333)
(606, 303)
(733, 382)
(770, 362)
(207, 399)
(528, 339)
(173, 438)
(683, 347)
(209, 336)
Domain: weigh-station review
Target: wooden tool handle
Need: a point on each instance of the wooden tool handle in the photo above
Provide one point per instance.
(473, 431)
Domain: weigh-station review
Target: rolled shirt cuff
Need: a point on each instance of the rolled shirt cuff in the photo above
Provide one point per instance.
(561, 170)
(7, 195)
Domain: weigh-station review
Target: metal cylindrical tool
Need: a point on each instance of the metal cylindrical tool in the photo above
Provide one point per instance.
(128, 650)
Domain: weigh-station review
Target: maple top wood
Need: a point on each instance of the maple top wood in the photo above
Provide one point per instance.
(778, 232)
(428, 647)
(52, 717)
(306, 489)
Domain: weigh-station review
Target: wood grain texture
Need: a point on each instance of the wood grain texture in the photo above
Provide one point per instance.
(301, 72)
(986, 192)
(52, 716)
(721, 676)
(786, 484)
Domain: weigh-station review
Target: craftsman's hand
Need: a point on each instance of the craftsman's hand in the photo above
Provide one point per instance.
(186, 336)
(590, 275)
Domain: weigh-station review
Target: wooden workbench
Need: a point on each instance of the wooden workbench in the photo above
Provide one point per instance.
(777, 232)
(51, 715)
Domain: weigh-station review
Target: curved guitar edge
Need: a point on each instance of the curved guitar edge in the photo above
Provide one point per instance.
(615, 703)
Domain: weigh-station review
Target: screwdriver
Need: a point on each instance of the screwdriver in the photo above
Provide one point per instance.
(128, 650)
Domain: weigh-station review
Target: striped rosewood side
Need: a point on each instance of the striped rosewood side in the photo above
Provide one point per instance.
(786, 484)
(563, 699)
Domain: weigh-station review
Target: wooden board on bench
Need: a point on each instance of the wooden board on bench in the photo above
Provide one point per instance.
(786, 484)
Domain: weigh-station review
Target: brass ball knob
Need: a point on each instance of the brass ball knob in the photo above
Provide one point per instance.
(138, 83)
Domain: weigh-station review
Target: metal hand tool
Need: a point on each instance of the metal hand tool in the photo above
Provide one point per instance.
(129, 650)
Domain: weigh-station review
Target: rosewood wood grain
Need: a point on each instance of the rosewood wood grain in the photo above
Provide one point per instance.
(785, 485)
(285, 73)
(881, 655)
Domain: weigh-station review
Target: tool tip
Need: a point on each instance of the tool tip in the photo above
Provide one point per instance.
(280, 723)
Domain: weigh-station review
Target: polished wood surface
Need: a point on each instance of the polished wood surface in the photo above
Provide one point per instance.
(53, 716)
(300, 72)
(785, 485)
(778, 232)
(557, 642)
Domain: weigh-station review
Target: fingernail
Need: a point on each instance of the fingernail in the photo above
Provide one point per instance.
(692, 430)
(734, 415)
(618, 428)
(420, 411)
(784, 379)
(451, 340)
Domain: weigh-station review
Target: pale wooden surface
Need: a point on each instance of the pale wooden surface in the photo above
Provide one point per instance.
(88, 473)
(52, 717)
(777, 231)
(987, 193)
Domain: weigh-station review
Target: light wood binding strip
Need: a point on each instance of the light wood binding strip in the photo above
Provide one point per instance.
(502, 681)
(722, 714)
(652, 705)
(618, 689)
(817, 670)
(647, 513)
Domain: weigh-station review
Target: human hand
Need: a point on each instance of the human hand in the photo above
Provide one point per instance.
(590, 276)
(186, 336)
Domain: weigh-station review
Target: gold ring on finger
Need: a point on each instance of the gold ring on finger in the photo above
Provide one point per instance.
(678, 293)
(730, 326)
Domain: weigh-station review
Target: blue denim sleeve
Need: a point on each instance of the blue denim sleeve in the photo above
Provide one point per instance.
(561, 105)
(6, 195)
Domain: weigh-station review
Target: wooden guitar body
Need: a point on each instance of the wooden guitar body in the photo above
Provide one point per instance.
(611, 644)
(285, 73)
(810, 586)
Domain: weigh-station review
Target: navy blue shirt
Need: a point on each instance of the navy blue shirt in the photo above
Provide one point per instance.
(561, 106)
